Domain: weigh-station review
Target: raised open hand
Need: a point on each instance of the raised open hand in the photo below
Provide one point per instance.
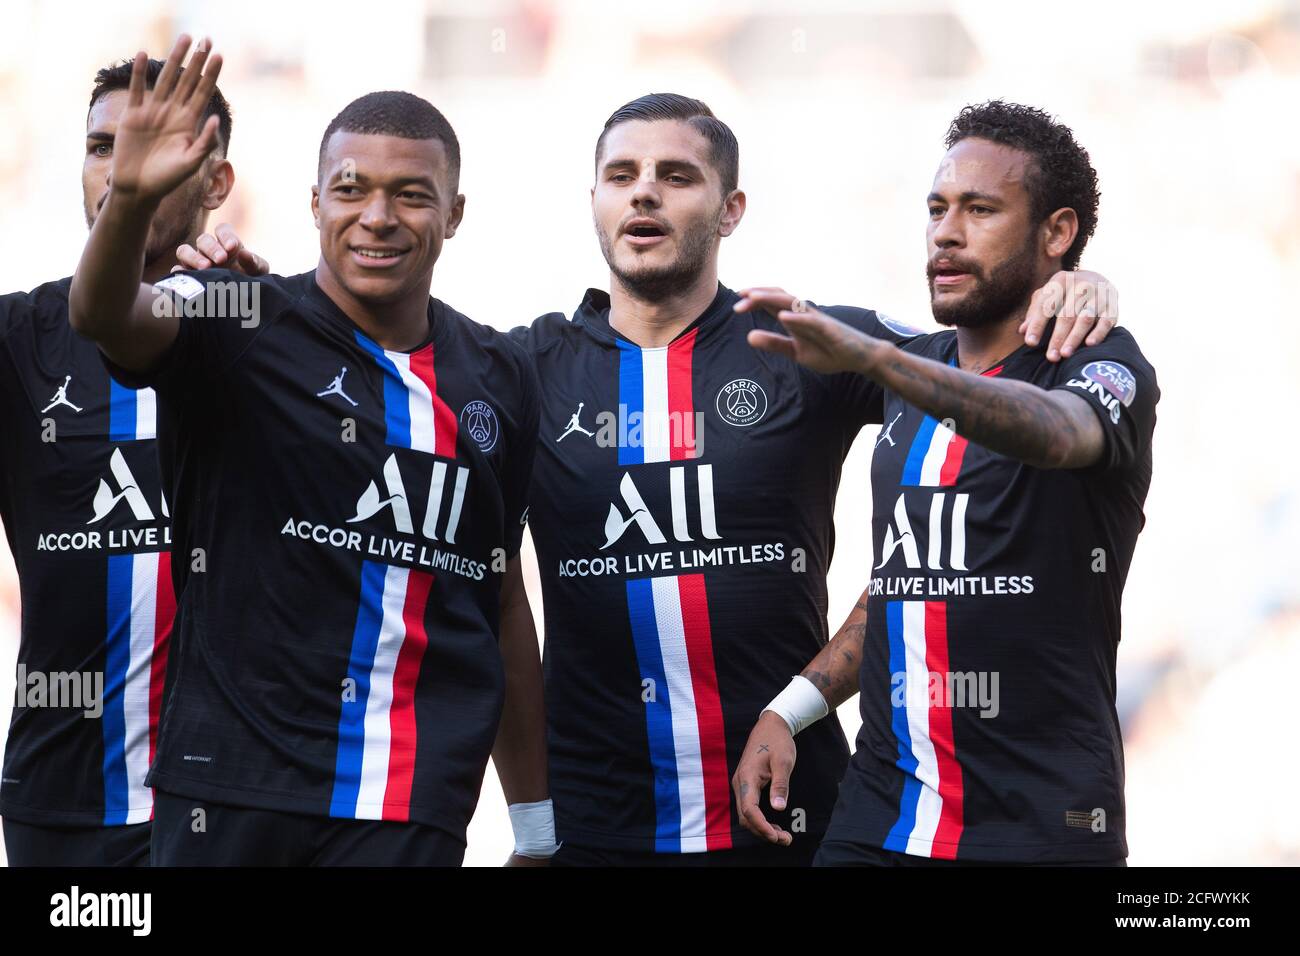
(159, 142)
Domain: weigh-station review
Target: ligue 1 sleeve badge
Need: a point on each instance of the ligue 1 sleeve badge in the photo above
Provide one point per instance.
(480, 423)
(742, 402)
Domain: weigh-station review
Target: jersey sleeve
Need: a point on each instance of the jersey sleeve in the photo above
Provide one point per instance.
(1119, 385)
(856, 399)
(519, 465)
(221, 313)
(13, 308)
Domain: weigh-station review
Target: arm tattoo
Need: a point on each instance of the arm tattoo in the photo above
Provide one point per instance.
(1010, 418)
(821, 680)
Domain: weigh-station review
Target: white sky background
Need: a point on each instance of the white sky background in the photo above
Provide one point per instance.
(840, 133)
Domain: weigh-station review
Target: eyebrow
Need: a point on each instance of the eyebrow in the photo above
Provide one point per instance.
(361, 179)
(100, 137)
(684, 165)
(971, 195)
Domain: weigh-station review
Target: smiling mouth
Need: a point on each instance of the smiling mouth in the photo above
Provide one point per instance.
(380, 257)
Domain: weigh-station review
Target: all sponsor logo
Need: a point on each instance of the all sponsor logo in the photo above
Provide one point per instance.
(638, 514)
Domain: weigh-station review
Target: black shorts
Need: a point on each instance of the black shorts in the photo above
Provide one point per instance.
(800, 853)
(223, 835)
(28, 844)
(840, 853)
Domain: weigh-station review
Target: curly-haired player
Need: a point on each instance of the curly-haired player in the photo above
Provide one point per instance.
(1006, 509)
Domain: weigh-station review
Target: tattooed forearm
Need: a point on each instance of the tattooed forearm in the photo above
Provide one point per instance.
(834, 671)
(1015, 419)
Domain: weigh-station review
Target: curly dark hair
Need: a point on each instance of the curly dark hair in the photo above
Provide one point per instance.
(1060, 175)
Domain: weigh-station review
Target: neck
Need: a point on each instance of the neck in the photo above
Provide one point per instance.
(161, 267)
(399, 325)
(979, 349)
(158, 269)
(655, 324)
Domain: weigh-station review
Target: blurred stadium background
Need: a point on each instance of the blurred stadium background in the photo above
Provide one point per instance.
(840, 109)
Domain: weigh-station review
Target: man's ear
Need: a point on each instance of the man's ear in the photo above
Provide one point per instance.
(733, 209)
(1060, 230)
(218, 184)
(315, 204)
(453, 219)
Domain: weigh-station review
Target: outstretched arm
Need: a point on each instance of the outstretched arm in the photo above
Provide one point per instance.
(159, 144)
(1046, 429)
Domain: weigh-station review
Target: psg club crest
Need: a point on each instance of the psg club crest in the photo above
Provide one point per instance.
(742, 402)
(480, 423)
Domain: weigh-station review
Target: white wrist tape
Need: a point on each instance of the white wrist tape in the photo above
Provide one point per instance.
(800, 705)
(534, 826)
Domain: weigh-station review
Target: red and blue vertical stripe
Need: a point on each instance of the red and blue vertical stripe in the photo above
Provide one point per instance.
(132, 413)
(655, 386)
(688, 747)
(935, 457)
(930, 810)
(415, 416)
(141, 606)
(375, 764)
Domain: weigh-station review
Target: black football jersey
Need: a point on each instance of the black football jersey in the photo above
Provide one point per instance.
(343, 514)
(87, 522)
(682, 510)
(989, 729)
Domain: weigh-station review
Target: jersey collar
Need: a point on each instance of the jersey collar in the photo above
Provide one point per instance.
(332, 313)
(592, 314)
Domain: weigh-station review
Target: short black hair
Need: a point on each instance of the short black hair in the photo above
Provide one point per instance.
(118, 77)
(1059, 174)
(724, 151)
(395, 113)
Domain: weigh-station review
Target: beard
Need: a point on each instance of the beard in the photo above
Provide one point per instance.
(175, 222)
(1005, 289)
(656, 284)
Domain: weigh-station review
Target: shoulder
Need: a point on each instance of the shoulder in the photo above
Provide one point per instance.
(1118, 364)
(931, 345)
(873, 323)
(498, 347)
(1123, 345)
(45, 305)
(543, 333)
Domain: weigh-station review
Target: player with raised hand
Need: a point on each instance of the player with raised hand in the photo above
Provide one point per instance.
(87, 520)
(1006, 512)
(351, 614)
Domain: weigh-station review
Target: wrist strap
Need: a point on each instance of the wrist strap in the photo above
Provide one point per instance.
(534, 826)
(800, 705)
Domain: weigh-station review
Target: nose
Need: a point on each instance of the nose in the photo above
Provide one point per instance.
(378, 214)
(646, 192)
(946, 233)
